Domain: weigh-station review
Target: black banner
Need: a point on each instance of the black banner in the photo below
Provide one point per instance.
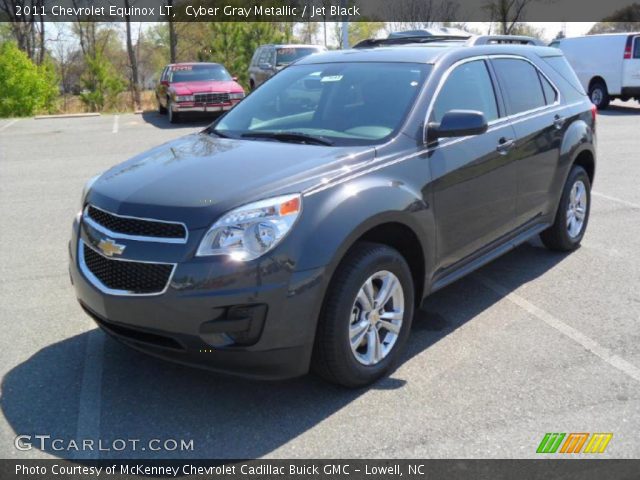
(412, 11)
(323, 469)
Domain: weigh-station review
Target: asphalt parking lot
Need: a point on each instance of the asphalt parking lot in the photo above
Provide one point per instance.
(535, 342)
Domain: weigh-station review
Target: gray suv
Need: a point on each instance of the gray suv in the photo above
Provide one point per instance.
(270, 59)
(303, 227)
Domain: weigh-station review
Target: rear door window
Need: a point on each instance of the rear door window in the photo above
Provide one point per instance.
(468, 87)
(636, 48)
(520, 84)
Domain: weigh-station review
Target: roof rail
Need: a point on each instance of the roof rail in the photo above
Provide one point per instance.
(497, 39)
(408, 39)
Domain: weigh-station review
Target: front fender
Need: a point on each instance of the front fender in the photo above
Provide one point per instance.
(342, 214)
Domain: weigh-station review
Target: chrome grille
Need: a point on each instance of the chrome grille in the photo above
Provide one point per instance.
(211, 98)
(123, 277)
(135, 227)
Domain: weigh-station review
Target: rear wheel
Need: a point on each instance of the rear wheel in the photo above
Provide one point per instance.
(366, 317)
(599, 94)
(573, 213)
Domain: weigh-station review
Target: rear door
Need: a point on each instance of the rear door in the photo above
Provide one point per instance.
(631, 67)
(474, 177)
(533, 104)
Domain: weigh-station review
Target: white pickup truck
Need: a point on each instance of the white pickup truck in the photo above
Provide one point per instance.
(607, 65)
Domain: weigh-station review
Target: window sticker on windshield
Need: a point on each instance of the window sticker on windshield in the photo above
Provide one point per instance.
(331, 78)
(181, 67)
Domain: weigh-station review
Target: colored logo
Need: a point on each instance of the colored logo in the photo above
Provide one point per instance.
(110, 248)
(574, 442)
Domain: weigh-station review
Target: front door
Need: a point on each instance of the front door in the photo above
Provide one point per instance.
(474, 178)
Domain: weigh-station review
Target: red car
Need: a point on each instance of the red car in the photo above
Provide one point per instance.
(196, 87)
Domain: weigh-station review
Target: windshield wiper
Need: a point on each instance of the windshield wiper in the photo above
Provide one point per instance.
(290, 137)
(217, 132)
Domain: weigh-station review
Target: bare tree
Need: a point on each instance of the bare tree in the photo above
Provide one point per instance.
(507, 13)
(420, 14)
(29, 29)
(173, 38)
(133, 60)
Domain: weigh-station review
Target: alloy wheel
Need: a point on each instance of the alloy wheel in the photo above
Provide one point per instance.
(376, 318)
(576, 209)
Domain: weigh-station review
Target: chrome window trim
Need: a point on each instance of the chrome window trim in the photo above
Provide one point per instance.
(382, 163)
(93, 280)
(138, 238)
(446, 74)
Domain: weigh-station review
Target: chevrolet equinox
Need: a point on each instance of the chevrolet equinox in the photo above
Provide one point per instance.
(301, 229)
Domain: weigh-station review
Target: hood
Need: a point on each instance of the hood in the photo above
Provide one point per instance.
(197, 178)
(187, 88)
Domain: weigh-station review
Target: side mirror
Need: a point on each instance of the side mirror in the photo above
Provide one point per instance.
(164, 82)
(458, 123)
(235, 79)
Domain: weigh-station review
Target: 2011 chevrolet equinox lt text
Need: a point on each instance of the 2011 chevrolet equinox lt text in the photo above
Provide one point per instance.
(302, 228)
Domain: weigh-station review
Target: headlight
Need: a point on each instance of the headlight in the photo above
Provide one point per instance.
(252, 230)
(236, 96)
(86, 188)
(184, 98)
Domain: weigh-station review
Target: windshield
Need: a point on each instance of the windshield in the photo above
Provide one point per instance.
(287, 55)
(198, 73)
(347, 103)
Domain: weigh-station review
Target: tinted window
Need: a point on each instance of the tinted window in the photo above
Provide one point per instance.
(468, 87)
(195, 73)
(265, 56)
(636, 48)
(520, 84)
(348, 103)
(550, 93)
(562, 67)
(287, 55)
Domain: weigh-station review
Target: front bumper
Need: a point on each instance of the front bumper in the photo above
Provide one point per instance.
(185, 107)
(255, 319)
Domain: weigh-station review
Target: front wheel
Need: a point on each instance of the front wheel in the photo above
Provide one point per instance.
(174, 117)
(573, 213)
(366, 317)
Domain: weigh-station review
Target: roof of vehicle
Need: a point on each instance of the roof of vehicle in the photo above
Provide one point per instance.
(293, 45)
(429, 53)
(186, 64)
(596, 35)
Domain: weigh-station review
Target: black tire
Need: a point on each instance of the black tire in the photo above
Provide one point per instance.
(599, 95)
(557, 236)
(333, 358)
(161, 110)
(252, 85)
(173, 116)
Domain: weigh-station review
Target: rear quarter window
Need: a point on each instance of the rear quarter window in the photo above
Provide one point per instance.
(561, 66)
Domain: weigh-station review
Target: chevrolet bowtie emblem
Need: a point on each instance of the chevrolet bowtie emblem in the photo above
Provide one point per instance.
(110, 248)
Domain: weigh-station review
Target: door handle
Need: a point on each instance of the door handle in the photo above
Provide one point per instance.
(558, 121)
(504, 145)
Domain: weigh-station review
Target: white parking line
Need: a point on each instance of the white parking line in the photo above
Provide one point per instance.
(7, 125)
(89, 410)
(568, 331)
(614, 199)
(116, 120)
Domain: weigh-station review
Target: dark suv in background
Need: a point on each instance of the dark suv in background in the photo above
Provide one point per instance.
(270, 59)
(303, 227)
